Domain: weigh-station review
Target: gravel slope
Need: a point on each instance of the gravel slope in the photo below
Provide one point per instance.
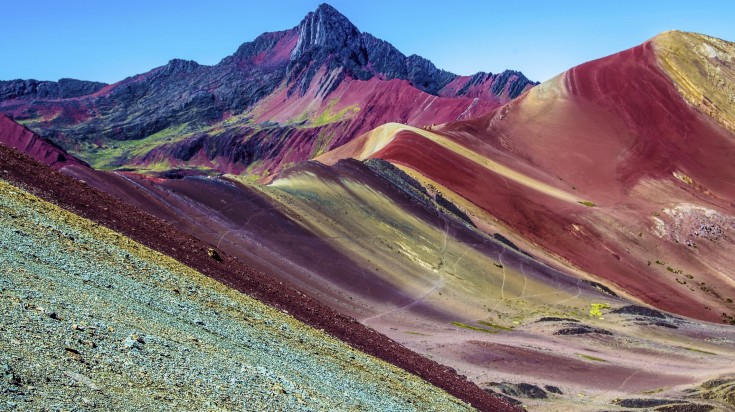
(93, 320)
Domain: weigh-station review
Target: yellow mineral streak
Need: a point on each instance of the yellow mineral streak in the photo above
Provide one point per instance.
(703, 71)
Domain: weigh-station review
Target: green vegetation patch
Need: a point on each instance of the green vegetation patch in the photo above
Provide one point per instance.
(494, 326)
(470, 327)
(657, 390)
(698, 350)
(592, 358)
(596, 310)
(329, 116)
(117, 153)
(415, 333)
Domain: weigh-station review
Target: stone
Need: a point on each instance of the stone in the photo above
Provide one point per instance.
(639, 311)
(521, 390)
(553, 389)
(214, 255)
(78, 377)
(134, 341)
(8, 376)
(582, 330)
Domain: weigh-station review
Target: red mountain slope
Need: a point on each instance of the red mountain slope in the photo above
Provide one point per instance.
(608, 166)
(43, 150)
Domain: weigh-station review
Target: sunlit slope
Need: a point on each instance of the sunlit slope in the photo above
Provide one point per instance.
(703, 70)
(479, 303)
(434, 256)
(401, 255)
(608, 167)
(89, 314)
(377, 142)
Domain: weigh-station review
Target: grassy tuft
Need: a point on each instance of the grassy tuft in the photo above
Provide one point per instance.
(477, 328)
(592, 358)
(596, 310)
(494, 326)
(587, 203)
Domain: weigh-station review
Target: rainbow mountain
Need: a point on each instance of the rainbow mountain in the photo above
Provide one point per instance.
(563, 246)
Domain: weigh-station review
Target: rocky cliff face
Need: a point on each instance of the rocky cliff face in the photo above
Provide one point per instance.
(300, 69)
(327, 38)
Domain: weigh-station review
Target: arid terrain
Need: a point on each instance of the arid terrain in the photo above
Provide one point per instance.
(320, 222)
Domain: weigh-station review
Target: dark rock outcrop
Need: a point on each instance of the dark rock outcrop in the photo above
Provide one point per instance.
(520, 390)
(504, 240)
(34, 89)
(686, 407)
(639, 311)
(664, 405)
(510, 400)
(644, 403)
(556, 319)
(721, 390)
(602, 288)
(553, 389)
(582, 330)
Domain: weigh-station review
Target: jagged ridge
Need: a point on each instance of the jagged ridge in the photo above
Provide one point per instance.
(311, 61)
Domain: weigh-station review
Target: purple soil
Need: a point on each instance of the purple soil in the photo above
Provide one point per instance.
(358, 172)
(104, 209)
(246, 225)
(249, 226)
(591, 374)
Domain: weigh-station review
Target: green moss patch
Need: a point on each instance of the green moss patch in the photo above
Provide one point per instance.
(494, 326)
(470, 327)
(698, 350)
(596, 310)
(592, 358)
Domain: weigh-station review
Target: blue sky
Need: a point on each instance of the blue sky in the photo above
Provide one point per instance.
(108, 41)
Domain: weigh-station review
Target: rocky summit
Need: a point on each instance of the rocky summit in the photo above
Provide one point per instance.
(280, 98)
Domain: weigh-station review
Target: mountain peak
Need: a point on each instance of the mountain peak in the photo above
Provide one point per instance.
(178, 66)
(325, 27)
(327, 9)
(327, 13)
